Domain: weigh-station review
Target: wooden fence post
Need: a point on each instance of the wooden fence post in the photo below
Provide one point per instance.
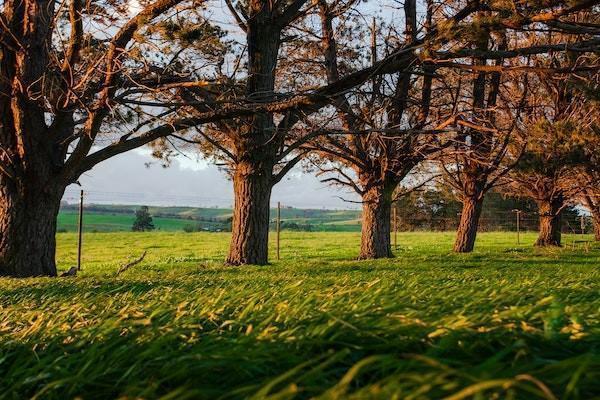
(395, 228)
(80, 231)
(278, 227)
(518, 212)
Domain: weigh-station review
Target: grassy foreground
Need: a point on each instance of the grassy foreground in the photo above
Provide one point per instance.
(504, 322)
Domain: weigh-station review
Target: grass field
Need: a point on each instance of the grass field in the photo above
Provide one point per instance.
(105, 222)
(119, 218)
(507, 321)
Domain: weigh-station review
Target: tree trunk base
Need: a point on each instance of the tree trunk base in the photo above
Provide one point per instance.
(376, 224)
(466, 233)
(550, 224)
(250, 224)
(28, 232)
(547, 243)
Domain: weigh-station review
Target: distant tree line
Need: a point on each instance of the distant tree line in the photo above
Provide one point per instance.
(438, 209)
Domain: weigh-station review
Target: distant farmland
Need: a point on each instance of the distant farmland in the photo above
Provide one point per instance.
(119, 218)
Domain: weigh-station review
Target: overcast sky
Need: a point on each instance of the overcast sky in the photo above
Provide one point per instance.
(126, 179)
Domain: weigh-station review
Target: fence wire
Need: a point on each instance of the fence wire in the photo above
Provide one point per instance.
(115, 211)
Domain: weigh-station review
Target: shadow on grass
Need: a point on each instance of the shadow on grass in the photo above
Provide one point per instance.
(366, 363)
(368, 329)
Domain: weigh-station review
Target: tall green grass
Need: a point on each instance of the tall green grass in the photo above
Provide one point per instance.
(504, 322)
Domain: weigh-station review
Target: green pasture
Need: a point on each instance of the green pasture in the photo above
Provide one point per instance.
(506, 322)
(119, 218)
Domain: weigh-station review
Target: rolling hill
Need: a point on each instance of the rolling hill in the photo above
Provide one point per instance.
(117, 218)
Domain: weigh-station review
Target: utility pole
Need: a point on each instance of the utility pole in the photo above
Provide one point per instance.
(278, 226)
(395, 228)
(518, 212)
(80, 231)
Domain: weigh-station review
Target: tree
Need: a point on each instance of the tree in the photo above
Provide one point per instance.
(69, 76)
(382, 131)
(83, 83)
(253, 148)
(260, 148)
(590, 86)
(562, 140)
(590, 195)
(382, 136)
(485, 102)
(486, 127)
(547, 173)
(550, 169)
(143, 220)
(591, 199)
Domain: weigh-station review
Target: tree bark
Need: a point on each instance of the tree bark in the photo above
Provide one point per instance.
(375, 236)
(594, 207)
(250, 226)
(596, 221)
(257, 144)
(28, 229)
(550, 223)
(469, 222)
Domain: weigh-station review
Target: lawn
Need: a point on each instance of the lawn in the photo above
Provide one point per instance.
(116, 222)
(507, 321)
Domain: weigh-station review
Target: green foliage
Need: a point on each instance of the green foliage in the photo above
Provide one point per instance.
(438, 210)
(186, 33)
(293, 226)
(143, 221)
(553, 147)
(192, 228)
(504, 322)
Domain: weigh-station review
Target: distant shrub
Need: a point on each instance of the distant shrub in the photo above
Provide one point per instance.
(192, 228)
(143, 220)
(293, 226)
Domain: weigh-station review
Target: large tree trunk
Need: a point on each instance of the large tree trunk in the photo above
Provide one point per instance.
(593, 204)
(596, 221)
(469, 222)
(375, 237)
(250, 226)
(550, 223)
(28, 229)
(257, 146)
(29, 200)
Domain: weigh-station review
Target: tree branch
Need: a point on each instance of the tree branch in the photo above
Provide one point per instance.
(241, 23)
